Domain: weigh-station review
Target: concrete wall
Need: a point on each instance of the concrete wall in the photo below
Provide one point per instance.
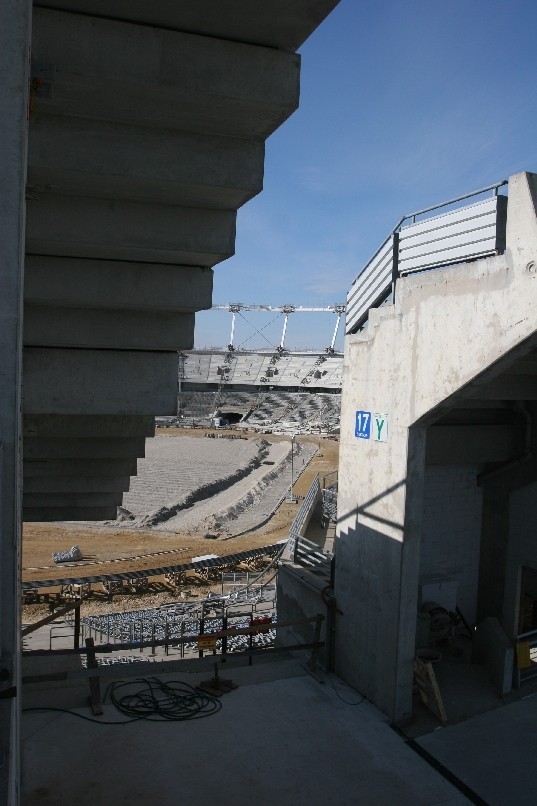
(522, 549)
(14, 85)
(451, 530)
(451, 334)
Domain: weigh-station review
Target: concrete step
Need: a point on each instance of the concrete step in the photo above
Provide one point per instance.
(50, 468)
(47, 500)
(83, 448)
(283, 24)
(108, 382)
(109, 70)
(77, 484)
(88, 426)
(46, 326)
(47, 514)
(87, 227)
(116, 285)
(116, 161)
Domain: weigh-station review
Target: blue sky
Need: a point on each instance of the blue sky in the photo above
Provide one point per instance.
(403, 105)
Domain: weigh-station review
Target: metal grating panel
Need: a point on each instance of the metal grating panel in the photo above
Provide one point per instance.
(468, 232)
(371, 286)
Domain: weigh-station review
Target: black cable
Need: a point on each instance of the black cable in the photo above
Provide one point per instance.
(155, 701)
(159, 701)
(360, 701)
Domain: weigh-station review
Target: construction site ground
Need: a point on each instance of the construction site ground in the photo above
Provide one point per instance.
(109, 550)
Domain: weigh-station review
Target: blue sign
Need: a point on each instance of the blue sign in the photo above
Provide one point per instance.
(362, 429)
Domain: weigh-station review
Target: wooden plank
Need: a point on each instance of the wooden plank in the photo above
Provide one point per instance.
(428, 688)
(53, 616)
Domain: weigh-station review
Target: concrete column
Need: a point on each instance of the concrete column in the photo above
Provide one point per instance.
(15, 24)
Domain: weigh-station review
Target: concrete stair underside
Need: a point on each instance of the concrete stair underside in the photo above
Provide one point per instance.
(147, 130)
(77, 467)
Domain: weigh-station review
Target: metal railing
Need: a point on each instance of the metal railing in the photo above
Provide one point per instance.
(216, 642)
(525, 656)
(454, 236)
(303, 551)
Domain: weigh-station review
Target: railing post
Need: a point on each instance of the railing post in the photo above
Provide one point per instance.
(202, 629)
(295, 552)
(224, 639)
(94, 682)
(316, 640)
(395, 263)
(76, 642)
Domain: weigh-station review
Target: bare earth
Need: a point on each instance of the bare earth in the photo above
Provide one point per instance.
(109, 549)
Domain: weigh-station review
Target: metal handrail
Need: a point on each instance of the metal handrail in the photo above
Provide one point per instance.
(454, 201)
(397, 227)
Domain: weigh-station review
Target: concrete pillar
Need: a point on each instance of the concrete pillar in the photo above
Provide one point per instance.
(15, 24)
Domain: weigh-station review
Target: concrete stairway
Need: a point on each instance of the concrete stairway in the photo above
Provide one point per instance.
(147, 130)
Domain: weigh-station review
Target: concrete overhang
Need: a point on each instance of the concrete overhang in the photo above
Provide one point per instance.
(282, 24)
(146, 134)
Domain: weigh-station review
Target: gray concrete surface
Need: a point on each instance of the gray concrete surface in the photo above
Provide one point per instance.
(116, 285)
(58, 382)
(15, 31)
(493, 753)
(107, 329)
(281, 737)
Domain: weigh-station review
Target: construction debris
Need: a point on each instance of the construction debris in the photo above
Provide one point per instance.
(73, 555)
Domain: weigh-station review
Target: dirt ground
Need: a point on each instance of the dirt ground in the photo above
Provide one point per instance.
(110, 550)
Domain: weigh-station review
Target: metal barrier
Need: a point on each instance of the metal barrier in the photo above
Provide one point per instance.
(215, 642)
(305, 507)
(303, 551)
(469, 232)
(525, 657)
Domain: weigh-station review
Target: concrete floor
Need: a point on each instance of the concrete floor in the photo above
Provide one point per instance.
(282, 737)
(493, 753)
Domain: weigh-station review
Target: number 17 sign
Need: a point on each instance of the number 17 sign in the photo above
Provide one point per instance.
(363, 425)
(370, 425)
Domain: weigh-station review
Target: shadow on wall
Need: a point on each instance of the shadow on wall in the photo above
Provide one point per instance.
(365, 511)
(376, 586)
